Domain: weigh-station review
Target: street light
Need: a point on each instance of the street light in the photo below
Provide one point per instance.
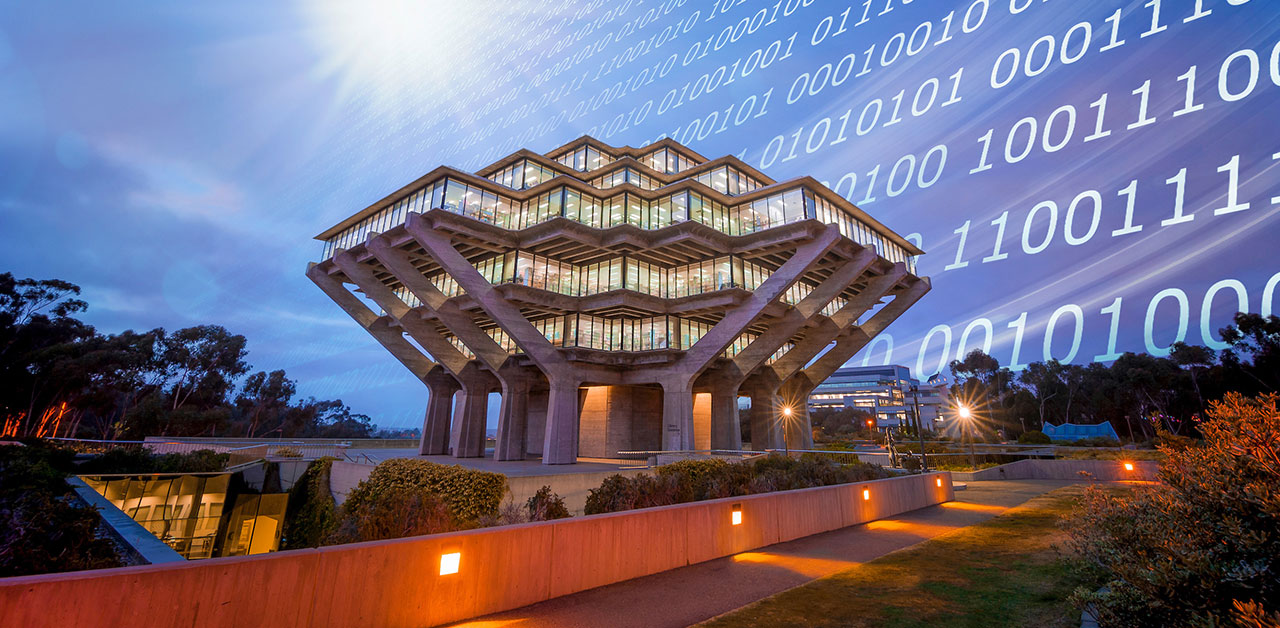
(786, 424)
(967, 416)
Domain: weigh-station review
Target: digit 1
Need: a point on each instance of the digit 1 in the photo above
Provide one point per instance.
(1190, 106)
(1021, 326)
(1275, 200)
(983, 164)
(963, 232)
(897, 106)
(1131, 193)
(1098, 133)
(866, 9)
(1114, 311)
(1156, 26)
(1232, 168)
(996, 255)
(946, 31)
(1200, 12)
(1180, 195)
(955, 88)
(1145, 92)
(1116, 42)
(871, 185)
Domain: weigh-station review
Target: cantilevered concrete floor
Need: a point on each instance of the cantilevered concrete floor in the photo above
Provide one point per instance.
(692, 594)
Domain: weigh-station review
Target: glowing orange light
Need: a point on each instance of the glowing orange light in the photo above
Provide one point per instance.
(866, 494)
(1128, 466)
(449, 563)
(737, 515)
(869, 422)
(786, 411)
(939, 481)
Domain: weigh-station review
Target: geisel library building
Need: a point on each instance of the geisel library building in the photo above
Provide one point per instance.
(619, 299)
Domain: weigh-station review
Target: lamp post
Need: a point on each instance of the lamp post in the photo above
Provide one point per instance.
(966, 415)
(786, 423)
(915, 402)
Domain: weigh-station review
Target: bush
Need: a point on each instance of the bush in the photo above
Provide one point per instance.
(1034, 437)
(545, 506)
(696, 480)
(311, 515)
(139, 460)
(1094, 441)
(407, 511)
(470, 495)
(286, 452)
(1200, 548)
(42, 530)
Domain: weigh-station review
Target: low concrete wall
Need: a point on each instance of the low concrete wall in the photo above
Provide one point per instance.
(1101, 470)
(397, 583)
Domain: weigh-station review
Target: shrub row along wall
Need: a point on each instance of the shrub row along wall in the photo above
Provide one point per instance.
(1101, 470)
(398, 582)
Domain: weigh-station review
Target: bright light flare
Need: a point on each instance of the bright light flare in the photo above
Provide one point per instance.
(786, 411)
(964, 412)
(1128, 466)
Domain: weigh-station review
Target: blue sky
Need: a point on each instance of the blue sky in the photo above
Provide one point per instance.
(176, 159)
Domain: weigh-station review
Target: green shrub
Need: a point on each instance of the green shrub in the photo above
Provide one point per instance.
(1200, 547)
(695, 480)
(311, 515)
(1034, 437)
(139, 460)
(470, 495)
(407, 511)
(545, 506)
(286, 452)
(1093, 441)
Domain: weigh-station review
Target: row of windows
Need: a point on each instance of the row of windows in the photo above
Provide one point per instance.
(584, 158)
(522, 174)
(625, 175)
(622, 273)
(765, 213)
(728, 180)
(667, 161)
(619, 334)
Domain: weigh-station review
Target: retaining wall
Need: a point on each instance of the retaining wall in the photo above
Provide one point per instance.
(397, 582)
(1101, 470)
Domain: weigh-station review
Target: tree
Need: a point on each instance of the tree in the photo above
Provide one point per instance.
(1259, 338)
(264, 399)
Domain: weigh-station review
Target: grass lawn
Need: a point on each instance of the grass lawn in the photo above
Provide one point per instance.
(1003, 572)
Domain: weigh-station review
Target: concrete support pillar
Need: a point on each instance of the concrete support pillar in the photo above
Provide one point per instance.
(677, 415)
(560, 441)
(765, 427)
(470, 411)
(513, 420)
(435, 426)
(726, 428)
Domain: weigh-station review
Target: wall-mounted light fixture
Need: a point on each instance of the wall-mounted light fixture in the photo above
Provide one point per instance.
(1128, 466)
(449, 563)
(737, 515)
(866, 494)
(939, 481)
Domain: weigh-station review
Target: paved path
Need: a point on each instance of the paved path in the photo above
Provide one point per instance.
(688, 595)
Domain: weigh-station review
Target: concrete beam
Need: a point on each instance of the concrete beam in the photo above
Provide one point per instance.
(426, 335)
(855, 339)
(390, 338)
(459, 322)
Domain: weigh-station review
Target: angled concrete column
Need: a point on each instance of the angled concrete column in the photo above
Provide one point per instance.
(435, 426)
(726, 430)
(677, 415)
(513, 419)
(560, 443)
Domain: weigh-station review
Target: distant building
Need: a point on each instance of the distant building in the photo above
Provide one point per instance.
(1075, 431)
(884, 391)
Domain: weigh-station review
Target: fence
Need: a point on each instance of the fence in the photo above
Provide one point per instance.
(431, 580)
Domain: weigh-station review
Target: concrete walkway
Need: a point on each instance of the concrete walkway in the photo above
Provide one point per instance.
(686, 596)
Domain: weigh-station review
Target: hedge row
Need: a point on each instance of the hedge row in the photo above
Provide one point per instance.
(696, 480)
(472, 496)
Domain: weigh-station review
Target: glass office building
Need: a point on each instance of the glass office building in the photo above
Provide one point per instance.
(889, 393)
(652, 276)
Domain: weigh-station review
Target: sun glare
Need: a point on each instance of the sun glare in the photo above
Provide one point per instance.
(390, 49)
